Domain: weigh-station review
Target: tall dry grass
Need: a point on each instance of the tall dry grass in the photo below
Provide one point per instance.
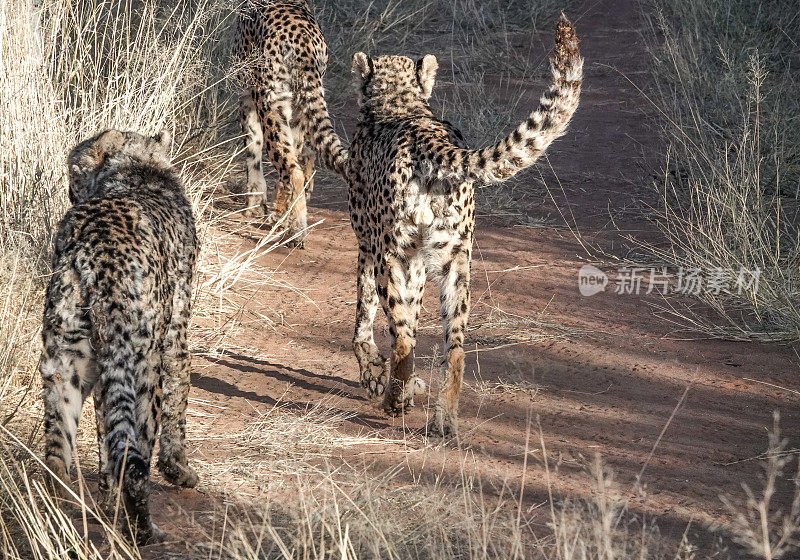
(726, 78)
(69, 69)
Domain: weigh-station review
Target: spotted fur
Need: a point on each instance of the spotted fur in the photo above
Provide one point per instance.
(116, 315)
(411, 193)
(283, 59)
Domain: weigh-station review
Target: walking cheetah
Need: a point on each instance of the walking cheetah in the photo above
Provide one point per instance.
(283, 59)
(116, 314)
(411, 196)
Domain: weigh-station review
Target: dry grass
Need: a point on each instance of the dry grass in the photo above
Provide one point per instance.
(35, 526)
(726, 78)
(19, 330)
(762, 527)
(381, 517)
(279, 445)
(306, 504)
(344, 512)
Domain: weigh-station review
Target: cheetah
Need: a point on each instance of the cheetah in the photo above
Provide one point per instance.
(115, 318)
(283, 57)
(411, 198)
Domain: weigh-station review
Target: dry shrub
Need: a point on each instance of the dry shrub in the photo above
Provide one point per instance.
(726, 77)
(765, 529)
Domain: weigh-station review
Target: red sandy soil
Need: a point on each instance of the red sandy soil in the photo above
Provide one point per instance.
(608, 386)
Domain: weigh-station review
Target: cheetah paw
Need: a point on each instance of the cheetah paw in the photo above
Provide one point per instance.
(374, 368)
(157, 535)
(60, 486)
(107, 494)
(375, 386)
(253, 211)
(400, 397)
(178, 473)
(443, 425)
(271, 218)
(298, 242)
(143, 536)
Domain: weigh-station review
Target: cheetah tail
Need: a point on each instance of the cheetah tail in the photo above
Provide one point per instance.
(549, 121)
(323, 136)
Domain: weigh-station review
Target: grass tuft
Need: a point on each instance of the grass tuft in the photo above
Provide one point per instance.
(725, 74)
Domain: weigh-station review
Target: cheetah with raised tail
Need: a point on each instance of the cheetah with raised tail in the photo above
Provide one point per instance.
(411, 196)
(283, 57)
(116, 315)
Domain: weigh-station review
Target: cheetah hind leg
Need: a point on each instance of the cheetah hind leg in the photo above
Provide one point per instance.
(107, 486)
(298, 219)
(66, 368)
(455, 305)
(307, 159)
(403, 318)
(291, 209)
(290, 200)
(374, 368)
(175, 381)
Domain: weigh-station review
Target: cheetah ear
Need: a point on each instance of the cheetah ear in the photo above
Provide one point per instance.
(362, 66)
(109, 142)
(164, 138)
(426, 74)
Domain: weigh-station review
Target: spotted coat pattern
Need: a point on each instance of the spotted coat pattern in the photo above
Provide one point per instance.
(116, 314)
(412, 203)
(283, 57)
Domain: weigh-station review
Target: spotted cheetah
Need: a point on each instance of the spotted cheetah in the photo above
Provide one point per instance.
(115, 318)
(411, 197)
(283, 57)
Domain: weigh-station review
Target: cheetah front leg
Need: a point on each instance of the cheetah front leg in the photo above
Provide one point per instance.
(175, 381)
(373, 366)
(401, 295)
(256, 189)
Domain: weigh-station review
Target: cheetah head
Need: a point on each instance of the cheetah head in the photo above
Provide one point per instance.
(106, 152)
(397, 79)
